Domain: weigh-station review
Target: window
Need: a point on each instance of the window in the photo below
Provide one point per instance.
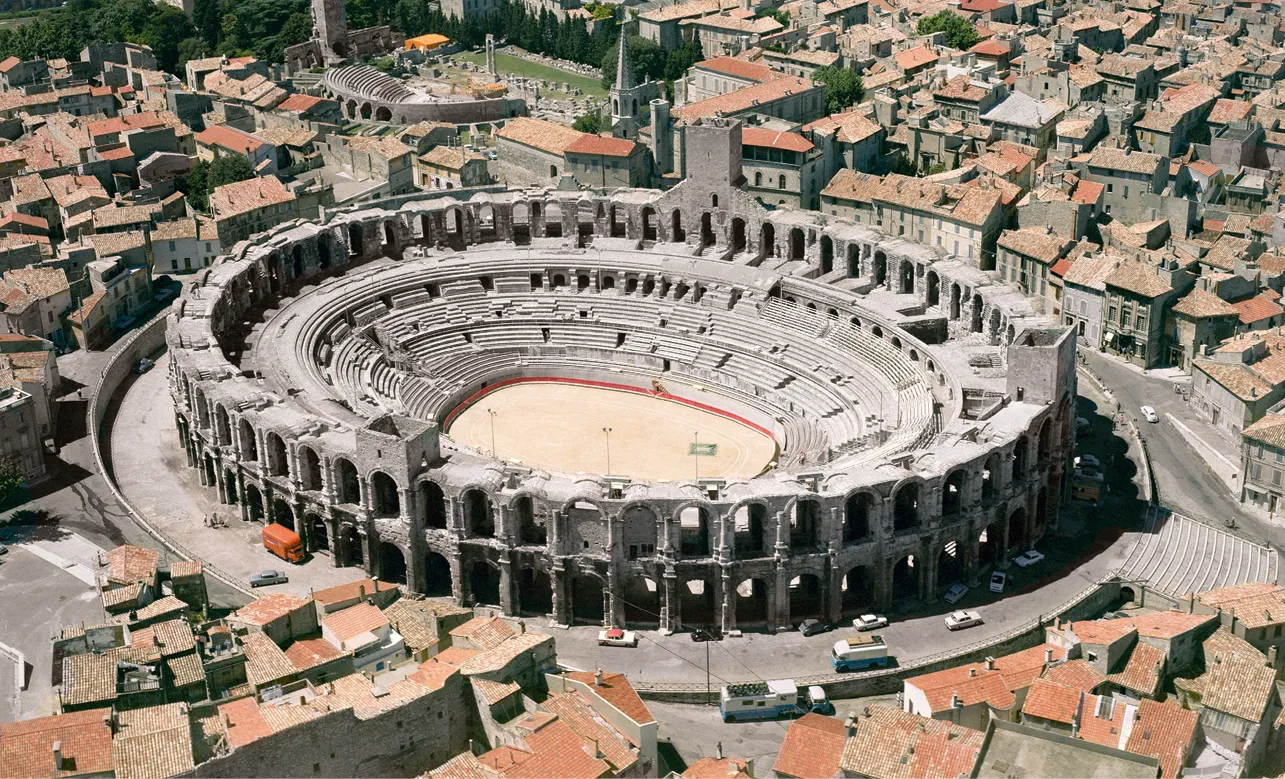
(1126, 190)
(1276, 478)
(1093, 656)
(781, 185)
(1110, 187)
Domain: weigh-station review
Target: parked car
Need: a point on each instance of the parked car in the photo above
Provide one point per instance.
(1028, 558)
(617, 637)
(265, 578)
(1149, 414)
(956, 592)
(707, 634)
(4, 549)
(870, 622)
(998, 580)
(1087, 461)
(963, 619)
(144, 365)
(810, 627)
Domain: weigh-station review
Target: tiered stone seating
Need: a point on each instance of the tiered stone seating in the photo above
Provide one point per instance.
(1180, 555)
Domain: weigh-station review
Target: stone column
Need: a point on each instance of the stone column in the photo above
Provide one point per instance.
(332, 528)
(240, 491)
(726, 611)
(835, 612)
(668, 606)
(883, 583)
(506, 584)
(367, 545)
(781, 590)
(558, 576)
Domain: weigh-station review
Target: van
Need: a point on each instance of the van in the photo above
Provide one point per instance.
(859, 652)
(283, 542)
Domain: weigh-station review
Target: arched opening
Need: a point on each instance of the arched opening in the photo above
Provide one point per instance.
(905, 507)
(952, 493)
(484, 584)
(223, 425)
(365, 110)
(355, 248)
(934, 289)
(281, 514)
(249, 446)
(954, 301)
(676, 232)
(229, 484)
(694, 526)
(827, 254)
(437, 575)
(856, 517)
(950, 565)
(296, 260)
(317, 532)
(990, 545)
(434, 504)
(992, 327)
(390, 240)
(1041, 512)
(751, 603)
(278, 461)
(975, 323)
(880, 268)
(990, 478)
(383, 114)
(642, 601)
(905, 579)
(617, 223)
(803, 524)
(907, 278)
(530, 531)
(747, 536)
(856, 591)
(520, 224)
(211, 473)
(386, 498)
(1045, 445)
(254, 502)
(1017, 529)
(707, 230)
(455, 228)
(552, 219)
(1020, 459)
(323, 252)
(796, 244)
(535, 592)
(392, 563)
(854, 261)
(805, 598)
(586, 600)
(1009, 333)
(352, 552)
(738, 235)
(1128, 597)
(348, 482)
(697, 602)
(478, 517)
(649, 223)
(767, 239)
(310, 469)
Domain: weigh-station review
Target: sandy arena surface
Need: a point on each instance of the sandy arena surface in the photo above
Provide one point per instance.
(559, 427)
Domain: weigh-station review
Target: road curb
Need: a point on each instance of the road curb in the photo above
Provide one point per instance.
(20, 667)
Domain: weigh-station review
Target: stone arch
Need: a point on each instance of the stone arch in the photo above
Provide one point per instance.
(993, 327)
(479, 517)
(805, 521)
(222, 425)
(392, 563)
(296, 260)
(351, 545)
(586, 598)
(796, 243)
(642, 601)
(389, 234)
(1017, 529)
(437, 575)
(535, 591)
(254, 503)
(738, 235)
(1021, 458)
(639, 528)
(347, 483)
(905, 578)
(249, 443)
(1044, 446)
(278, 460)
(648, 216)
(751, 601)
(281, 514)
(520, 223)
(807, 599)
(950, 565)
(854, 260)
(484, 583)
(767, 239)
(309, 469)
(355, 238)
(827, 254)
(530, 530)
(880, 268)
(708, 238)
(856, 591)
(991, 477)
(433, 503)
(676, 232)
(975, 320)
(698, 598)
(385, 496)
(933, 294)
(905, 506)
(954, 301)
(990, 544)
(907, 280)
(383, 114)
(857, 511)
(318, 533)
(952, 492)
(695, 526)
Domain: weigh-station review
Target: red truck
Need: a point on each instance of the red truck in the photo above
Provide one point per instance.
(283, 542)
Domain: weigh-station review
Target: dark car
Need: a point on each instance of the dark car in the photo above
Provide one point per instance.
(707, 634)
(810, 627)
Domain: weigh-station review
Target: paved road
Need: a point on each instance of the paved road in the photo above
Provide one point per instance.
(1184, 482)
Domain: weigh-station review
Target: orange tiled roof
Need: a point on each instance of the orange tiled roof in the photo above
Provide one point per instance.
(26, 747)
(617, 691)
(1142, 671)
(355, 620)
(770, 139)
(813, 747)
(1052, 701)
(1163, 731)
(605, 145)
(1077, 674)
(894, 744)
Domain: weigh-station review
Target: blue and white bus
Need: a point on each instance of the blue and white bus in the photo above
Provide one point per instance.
(859, 652)
(759, 700)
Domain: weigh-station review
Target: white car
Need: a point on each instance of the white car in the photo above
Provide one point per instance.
(1149, 414)
(1087, 461)
(617, 637)
(870, 622)
(1028, 558)
(998, 580)
(955, 593)
(963, 619)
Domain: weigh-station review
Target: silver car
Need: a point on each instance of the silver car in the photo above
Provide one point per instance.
(265, 578)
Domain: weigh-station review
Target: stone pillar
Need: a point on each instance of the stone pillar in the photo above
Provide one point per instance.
(668, 606)
(558, 576)
(301, 524)
(781, 590)
(928, 574)
(615, 616)
(332, 528)
(883, 583)
(506, 584)
(835, 612)
(726, 589)
(219, 485)
(367, 545)
(240, 491)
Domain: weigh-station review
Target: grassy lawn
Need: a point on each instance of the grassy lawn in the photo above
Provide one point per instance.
(509, 64)
(19, 18)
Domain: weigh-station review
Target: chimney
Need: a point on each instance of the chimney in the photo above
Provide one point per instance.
(990, 664)
(361, 593)
(955, 702)
(58, 761)
(597, 677)
(718, 750)
(850, 724)
(521, 626)
(1048, 655)
(972, 672)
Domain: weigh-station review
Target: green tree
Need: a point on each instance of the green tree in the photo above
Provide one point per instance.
(959, 33)
(168, 27)
(193, 48)
(902, 165)
(234, 36)
(648, 60)
(777, 14)
(843, 87)
(13, 484)
(588, 123)
(195, 185)
(208, 19)
(228, 169)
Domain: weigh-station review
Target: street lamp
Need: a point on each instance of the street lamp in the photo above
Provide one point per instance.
(492, 414)
(607, 431)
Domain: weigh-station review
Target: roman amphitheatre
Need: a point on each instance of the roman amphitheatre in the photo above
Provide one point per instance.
(806, 417)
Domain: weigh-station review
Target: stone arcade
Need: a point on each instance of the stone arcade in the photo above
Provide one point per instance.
(922, 410)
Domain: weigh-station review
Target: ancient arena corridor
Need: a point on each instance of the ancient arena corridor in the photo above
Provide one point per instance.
(558, 426)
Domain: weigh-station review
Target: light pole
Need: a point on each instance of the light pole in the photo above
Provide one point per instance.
(492, 414)
(607, 430)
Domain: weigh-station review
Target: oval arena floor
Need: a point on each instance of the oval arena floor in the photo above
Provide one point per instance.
(558, 426)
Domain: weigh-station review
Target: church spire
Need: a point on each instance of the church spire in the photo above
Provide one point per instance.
(624, 70)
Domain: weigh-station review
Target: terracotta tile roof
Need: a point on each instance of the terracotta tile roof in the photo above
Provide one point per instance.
(128, 564)
(992, 48)
(416, 621)
(185, 670)
(432, 675)
(1131, 162)
(1142, 671)
(1269, 430)
(1164, 731)
(715, 768)
(455, 656)
(1139, 279)
(351, 591)
(893, 744)
(603, 145)
(26, 747)
(179, 229)
(89, 678)
(738, 68)
(961, 87)
(491, 692)
(264, 661)
(388, 148)
(813, 748)
(244, 722)
(449, 158)
(1237, 679)
(743, 99)
(308, 653)
(1052, 701)
(678, 11)
(495, 659)
(550, 137)
(485, 632)
(1262, 306)
(268, 608)
(1225, 597)
(229, 138)
(915, 58)
(1087, 192)
(1168, 624)
(558, 753)
(1077, 674)
(1036, 243)
(770, 139)
(1106, 730)
(1238, 379)
(1226, 110)
(594, 731)
(244, 196)
(153, 742)
(972, 683)
(1022, 668)
(617, 691)
(299, 103)
(1101, 632)
(1199, 304)
(465, 765)
(355, 620)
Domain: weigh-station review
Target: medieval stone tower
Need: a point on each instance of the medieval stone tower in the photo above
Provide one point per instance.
(330, 29)
(627, 98)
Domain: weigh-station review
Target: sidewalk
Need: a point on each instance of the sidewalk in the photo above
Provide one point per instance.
(1207, 444)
